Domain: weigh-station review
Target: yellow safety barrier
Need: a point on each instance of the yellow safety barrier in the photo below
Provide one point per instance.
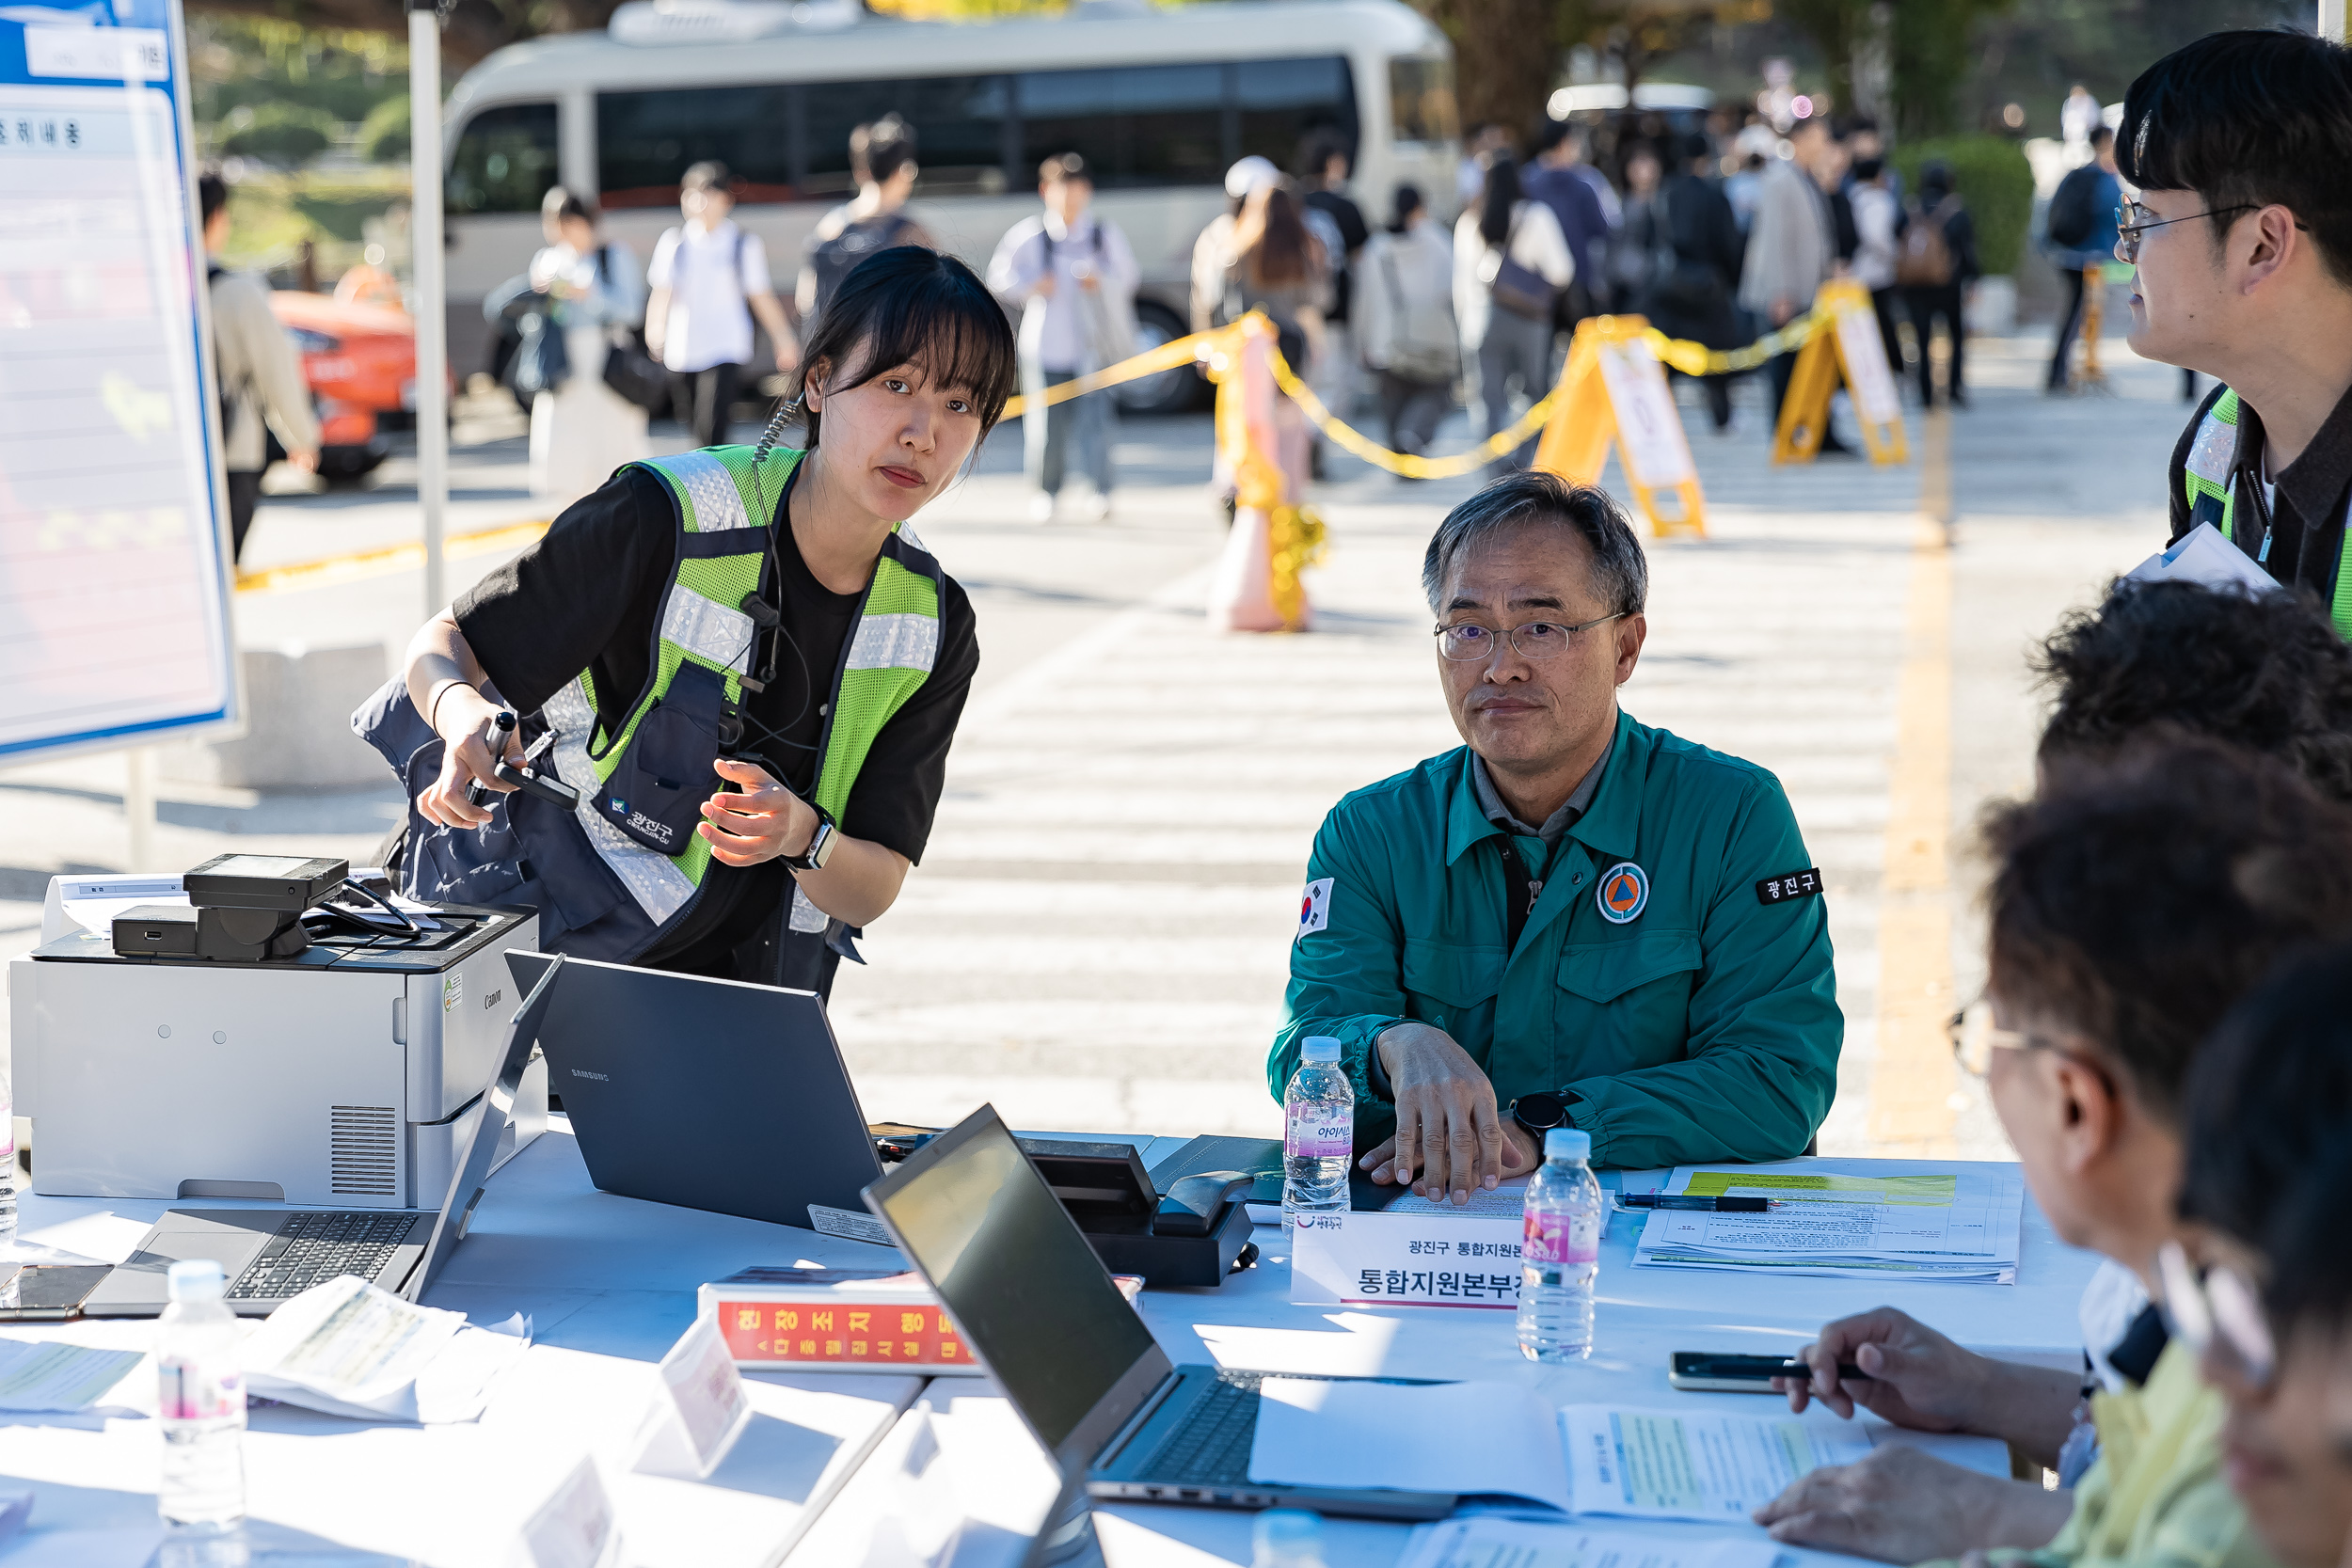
(1405, 463)
(1612, 388)
(1843, 344)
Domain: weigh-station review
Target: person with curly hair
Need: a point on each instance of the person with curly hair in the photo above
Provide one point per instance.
(2267, 673)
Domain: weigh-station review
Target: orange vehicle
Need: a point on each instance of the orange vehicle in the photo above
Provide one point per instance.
(359, 351)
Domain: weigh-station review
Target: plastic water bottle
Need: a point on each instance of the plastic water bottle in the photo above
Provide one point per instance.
(1560, 1251)
(1319, 1131)
(201, 1402)
(7, 1173)
(1286, 1538)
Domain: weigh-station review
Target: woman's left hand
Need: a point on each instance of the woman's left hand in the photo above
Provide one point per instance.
(756, 821)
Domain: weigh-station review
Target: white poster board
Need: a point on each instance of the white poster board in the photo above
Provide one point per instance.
(114, 569)
(1862, 352)
(1651, 441)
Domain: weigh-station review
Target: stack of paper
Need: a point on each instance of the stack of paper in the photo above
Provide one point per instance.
(1504, 1441)
(1851, 1220)
(350, 1348)
(1491, 1540)
(43, 1375)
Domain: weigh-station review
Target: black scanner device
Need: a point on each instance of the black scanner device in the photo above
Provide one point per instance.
(1195, 1233)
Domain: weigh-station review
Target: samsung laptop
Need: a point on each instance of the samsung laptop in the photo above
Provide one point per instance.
(1018, 1278)
(708, 1094)
(273, 1255)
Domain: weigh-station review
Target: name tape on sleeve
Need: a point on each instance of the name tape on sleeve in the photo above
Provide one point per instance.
(1790, 885)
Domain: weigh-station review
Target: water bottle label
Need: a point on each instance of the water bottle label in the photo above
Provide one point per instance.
(192, 1392)
(1561, 1239)
(1321, 1137)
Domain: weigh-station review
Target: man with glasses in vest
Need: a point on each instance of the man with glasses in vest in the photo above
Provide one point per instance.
(2242, 235)
(1573, 920)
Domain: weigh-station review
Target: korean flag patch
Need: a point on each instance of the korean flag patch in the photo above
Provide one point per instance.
(1314, 908)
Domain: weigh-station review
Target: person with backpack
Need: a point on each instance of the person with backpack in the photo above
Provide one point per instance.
(709, 280)
(1510, 263)
(1878, 220)
(2078, 235)
(1070, 279)
(581, 429)
(882, 161)
(255, 373)
(1404, 323)
(1935, 268)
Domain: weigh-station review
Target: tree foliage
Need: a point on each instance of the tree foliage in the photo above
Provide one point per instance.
(1990, 175)
(285, 134)
(384, 135)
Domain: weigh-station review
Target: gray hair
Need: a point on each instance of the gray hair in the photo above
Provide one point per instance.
(1620, 571)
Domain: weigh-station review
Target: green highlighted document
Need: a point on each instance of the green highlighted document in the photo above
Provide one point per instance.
(1913, 1219)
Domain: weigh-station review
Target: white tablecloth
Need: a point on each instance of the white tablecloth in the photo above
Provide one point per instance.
(610, 1283)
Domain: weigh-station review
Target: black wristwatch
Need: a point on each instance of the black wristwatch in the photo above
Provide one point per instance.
(1539, 1113)
(821, 844)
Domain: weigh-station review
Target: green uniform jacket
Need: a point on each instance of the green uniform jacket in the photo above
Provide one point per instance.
(1704, 1028)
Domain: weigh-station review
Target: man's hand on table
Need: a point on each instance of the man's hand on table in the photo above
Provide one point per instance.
(1899, 1505)
(1917, 1378)
(1448, 1127)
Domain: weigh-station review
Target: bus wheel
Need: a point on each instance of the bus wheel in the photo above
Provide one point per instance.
(1176, 391)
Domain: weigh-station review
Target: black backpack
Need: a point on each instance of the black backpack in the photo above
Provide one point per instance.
(834, 259)
(2074, 216)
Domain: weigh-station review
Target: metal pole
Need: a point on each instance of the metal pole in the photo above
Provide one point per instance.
(431, 316)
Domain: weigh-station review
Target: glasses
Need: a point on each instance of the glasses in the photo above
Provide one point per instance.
(2219, 1315)
(1975, 1037)
(1537, 640)
(2132, 220)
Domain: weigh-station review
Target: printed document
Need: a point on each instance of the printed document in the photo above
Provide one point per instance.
(1858, 1219)
(351, 1348)
(1501, 1439)
(1494, 1541)
(1686, 1464)
(43, 1376)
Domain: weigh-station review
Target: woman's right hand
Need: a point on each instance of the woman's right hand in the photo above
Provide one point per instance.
(465, 719)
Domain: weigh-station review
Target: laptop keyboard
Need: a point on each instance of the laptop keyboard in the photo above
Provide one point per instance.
(312, 1248)
(1212, 1447)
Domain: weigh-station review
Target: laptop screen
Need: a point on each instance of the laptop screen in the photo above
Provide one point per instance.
(1015, 1274)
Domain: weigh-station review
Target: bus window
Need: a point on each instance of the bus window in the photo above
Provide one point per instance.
(646, 140)
(1135, 125)
(1281, 101)
(505, 160)
(959, 132)
(1421, 101)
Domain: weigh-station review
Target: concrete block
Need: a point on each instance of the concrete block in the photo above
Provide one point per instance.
(299, 700)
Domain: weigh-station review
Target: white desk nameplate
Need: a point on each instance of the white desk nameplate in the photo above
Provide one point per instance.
(1414, 1260)
(700, 1409)
(575, 1528)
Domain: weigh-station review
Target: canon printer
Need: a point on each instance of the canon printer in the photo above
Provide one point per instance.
(263, 1027)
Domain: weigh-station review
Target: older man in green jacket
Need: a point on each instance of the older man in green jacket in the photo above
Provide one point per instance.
(1575, 919)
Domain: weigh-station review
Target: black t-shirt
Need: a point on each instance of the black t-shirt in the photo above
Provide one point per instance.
(587, 596)
(1352, 233)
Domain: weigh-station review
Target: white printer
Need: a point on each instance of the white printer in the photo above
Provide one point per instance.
(340, 1075)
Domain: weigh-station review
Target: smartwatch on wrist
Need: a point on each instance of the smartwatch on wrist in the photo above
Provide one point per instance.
(1539, 1113)
(821, 844)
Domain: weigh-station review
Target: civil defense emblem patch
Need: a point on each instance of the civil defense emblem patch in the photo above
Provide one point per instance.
(1623, 894)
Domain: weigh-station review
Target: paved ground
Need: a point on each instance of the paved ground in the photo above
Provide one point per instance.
(1098, 935)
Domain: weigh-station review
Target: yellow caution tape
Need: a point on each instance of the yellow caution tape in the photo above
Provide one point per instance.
(1681, 354)
(394, 558)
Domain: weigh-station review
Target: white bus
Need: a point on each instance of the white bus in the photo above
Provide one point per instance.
(1160, 101)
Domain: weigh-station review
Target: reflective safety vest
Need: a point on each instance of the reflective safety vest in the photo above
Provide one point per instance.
(2209, 479)
(613, 875)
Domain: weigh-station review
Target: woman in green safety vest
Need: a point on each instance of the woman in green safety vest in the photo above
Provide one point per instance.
(741, 663)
